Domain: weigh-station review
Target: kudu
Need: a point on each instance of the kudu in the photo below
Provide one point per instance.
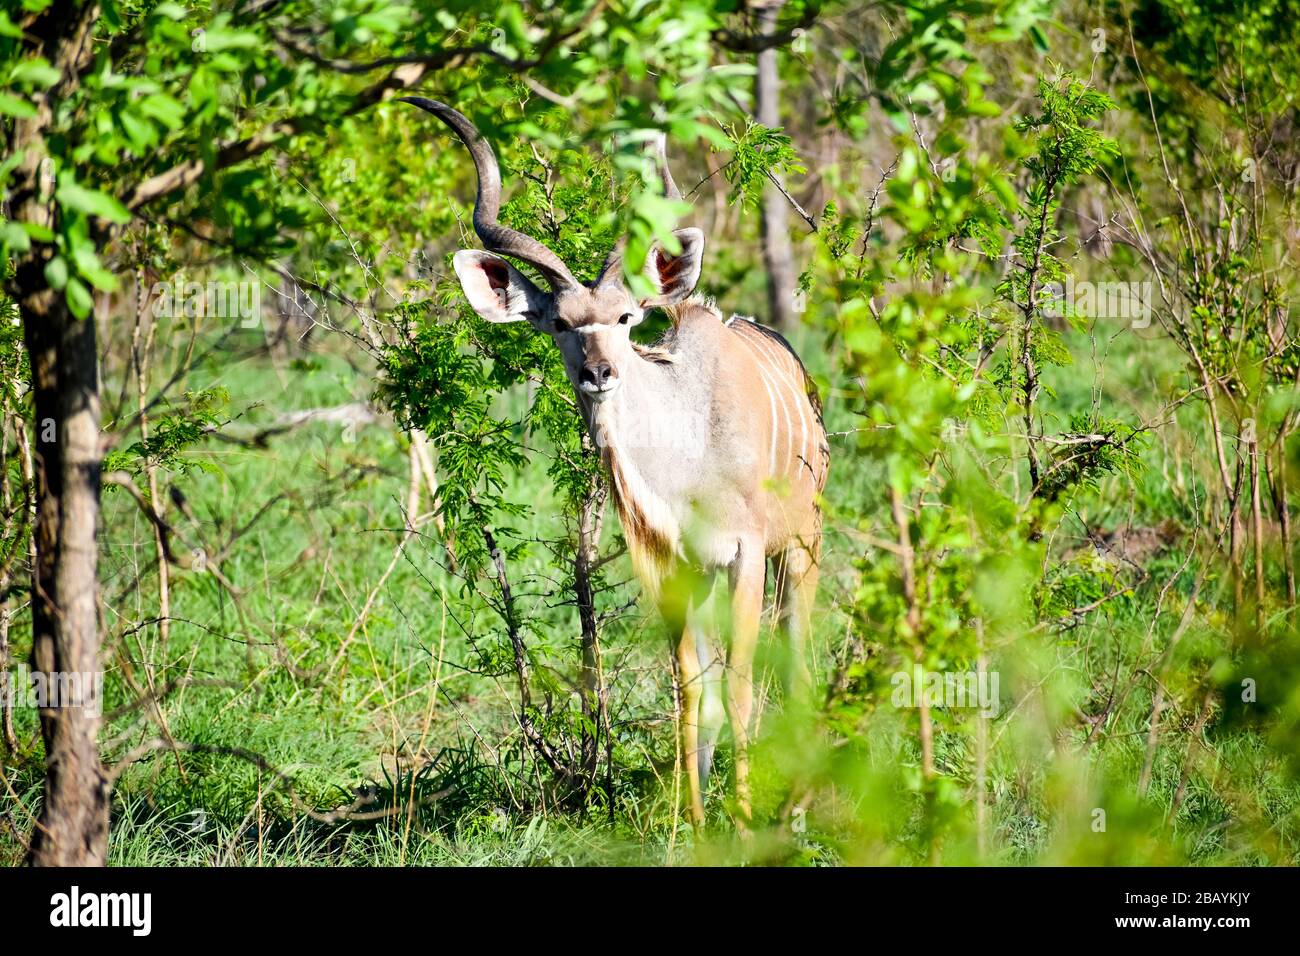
(713, 441)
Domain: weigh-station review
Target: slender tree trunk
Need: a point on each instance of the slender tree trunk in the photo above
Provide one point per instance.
(25, 522)
(142, 340)
(778, 255)
(1257, 530)
(1153, 740)
(15, 524)
(1237, 545)
(907, 569)
(590, 689)
(981, 752)
(8, 739)
(73, 825)
(1282, 505)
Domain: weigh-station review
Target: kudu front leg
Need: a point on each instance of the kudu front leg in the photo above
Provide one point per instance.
(690, 688)
(796, 586)
(748, 574)
(683, 593)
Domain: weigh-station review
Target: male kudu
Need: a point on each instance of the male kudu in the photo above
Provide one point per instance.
(713, 441)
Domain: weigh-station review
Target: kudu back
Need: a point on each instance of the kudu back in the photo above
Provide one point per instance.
(713, 441)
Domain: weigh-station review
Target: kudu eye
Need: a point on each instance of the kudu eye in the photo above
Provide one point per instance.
(625, 318)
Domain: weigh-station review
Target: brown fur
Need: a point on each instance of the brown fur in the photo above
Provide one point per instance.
(651, 554)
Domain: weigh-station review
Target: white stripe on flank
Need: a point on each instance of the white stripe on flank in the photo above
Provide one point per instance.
(771, 400)
(804, 458)
(787, 370)
(802, 403)
(773, 365)
(772, 386)
(747, 335)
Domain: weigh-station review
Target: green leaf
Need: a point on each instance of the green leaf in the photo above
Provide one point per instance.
(16, 238)
(38, 232)
(225, 38)
(89, 267)
(36, 72)
(56, 272)
(79, 299)
(165, 109)
(142, 134)
(16, 107)
(92, 202)
(172, 11)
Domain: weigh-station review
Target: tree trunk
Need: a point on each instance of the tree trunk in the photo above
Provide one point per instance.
(778, 255)
(1257, 531)
(1282, 505)
(73, 825)
(590, 688)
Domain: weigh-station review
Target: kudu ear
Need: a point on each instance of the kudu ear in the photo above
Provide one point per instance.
(497, 290)
(675, 276)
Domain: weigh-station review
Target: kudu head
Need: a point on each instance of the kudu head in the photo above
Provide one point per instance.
(590, 323)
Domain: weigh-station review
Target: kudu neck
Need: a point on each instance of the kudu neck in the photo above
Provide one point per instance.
(647, 402)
